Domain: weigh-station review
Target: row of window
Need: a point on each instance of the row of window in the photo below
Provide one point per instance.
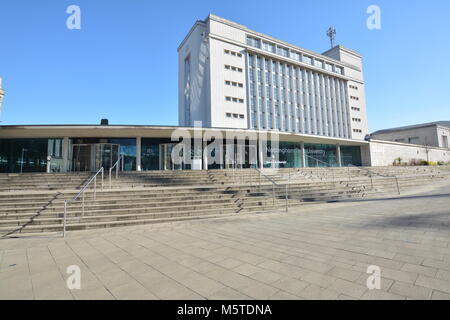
(357, 130)
(354, 98)
(233, 99)
(234, 115)
(234, 84)
(356, 109)
(232, 68)
(289, 98)
(353, 87)
(233, 53)
(287, 53)
(356, 119)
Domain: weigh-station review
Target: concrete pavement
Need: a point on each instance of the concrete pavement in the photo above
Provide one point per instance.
(320, 251)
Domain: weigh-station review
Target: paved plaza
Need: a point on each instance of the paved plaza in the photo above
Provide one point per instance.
(317, 251)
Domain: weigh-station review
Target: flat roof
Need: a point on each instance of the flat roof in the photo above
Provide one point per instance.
(415, 126)
(150, 131)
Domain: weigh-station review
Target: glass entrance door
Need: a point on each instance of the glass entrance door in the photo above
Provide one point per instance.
(91, 157)
(165, 157)
(81, 157)
(106, 155)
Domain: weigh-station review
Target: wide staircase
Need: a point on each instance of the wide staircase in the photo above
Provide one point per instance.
(34, 203)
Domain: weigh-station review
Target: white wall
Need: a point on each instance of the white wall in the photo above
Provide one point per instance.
(383, 153)
(197, 49)
(219, 107)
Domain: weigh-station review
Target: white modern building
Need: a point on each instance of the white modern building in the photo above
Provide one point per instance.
(243, 86)
(234, 77)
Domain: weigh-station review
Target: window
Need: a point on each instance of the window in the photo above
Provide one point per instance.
(318, 63)
(444, 142)
(307, 59)
(295, 55)
(283, 51)
(268, 47)
(241, 116)
(353, 87)
(227, 67)
(234, 84)
(55, 148)
(235, 115)
(354, 98)
(234, 99)
(253, 42)
(338, 69)
(413, 140)
(228, 115)
(233, 53)
(357, 130)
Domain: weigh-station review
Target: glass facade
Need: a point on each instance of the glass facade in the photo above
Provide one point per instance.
(320, 155)
(89, 154)
(27, 155)
(31, 155)
(290, 98)
(350, 155)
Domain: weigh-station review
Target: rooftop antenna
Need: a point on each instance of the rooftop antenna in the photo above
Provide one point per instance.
(2, 94)
(331, 33)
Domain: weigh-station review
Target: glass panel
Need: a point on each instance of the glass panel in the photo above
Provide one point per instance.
(350, 155)
(319, 155)
(81, 159)
(23, 155)
(106, 156)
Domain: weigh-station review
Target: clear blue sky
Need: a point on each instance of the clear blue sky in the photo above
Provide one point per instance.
(122, 64)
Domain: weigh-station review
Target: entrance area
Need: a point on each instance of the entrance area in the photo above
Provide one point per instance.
(91, 157)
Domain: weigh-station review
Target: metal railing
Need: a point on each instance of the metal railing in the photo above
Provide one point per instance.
(274, 184)
(371, 173)
(325, 163)
(81, 194)
(115, 165)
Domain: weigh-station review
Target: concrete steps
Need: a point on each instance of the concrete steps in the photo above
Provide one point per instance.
(165, 196)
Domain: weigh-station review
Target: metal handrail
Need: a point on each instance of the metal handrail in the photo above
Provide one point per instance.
(326, 163)
(318, 160)
(273, 187)
(81, 193)
(377, 174)
(116, 165)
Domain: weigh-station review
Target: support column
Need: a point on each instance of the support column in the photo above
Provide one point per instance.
(260, 154)
(302, 146)
(138, 154)
(338, 155)
(205, 155)
(65, 154)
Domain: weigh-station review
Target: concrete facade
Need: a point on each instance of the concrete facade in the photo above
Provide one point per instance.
(233, 77)
(434, 134)
(383, 153)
